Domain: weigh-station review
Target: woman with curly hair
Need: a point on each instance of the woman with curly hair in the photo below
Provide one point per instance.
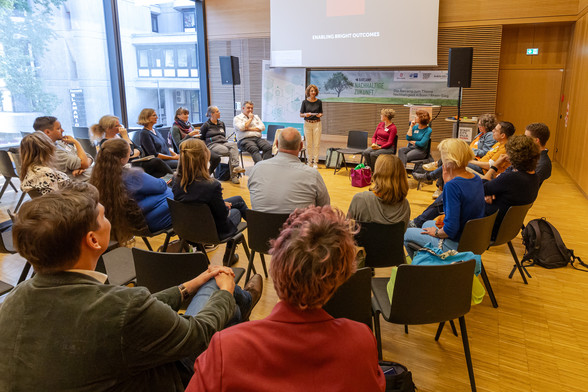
(311, 110)
(299, 342)
(518, 184)
(132, 199)
(386, 201)
(383, 141)
(37, 171)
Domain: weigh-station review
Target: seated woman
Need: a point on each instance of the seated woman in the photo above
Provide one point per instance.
(36, 171)
(214, 134)
(385, 202)
(193, 184)
(131, 197)
(383, 139)
(518, 184)
(109, 128)
(152, 142)
(463, 199)
(183, 130)
(299, 346)
(418, 136)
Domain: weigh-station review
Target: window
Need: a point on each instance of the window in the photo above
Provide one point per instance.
(154, 24)
(189, 18)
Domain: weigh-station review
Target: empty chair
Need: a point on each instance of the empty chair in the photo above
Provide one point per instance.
(88, 147)
(426, 294)
(145, 234)
(271, 132)
(261, 228)
(353, 299)
(7, 171)
(383, 243)
(357, 141)
(194, 224)
(509, 228)
(476, 238)
(81, 132)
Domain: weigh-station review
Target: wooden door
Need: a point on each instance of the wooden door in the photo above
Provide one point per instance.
(525, 96)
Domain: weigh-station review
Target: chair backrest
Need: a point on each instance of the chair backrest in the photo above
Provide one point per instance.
(6, 168)
(81, 132)
(353, 299)
(193, 222)
(271, 132)
(118, 264)
(476, 235)
(15, 155)
(357, 139)
(395, 143)
(511, 224)
(88, 147)
(158, 271)
(384, 244)
(135, 137)
(262, 227)
(426, 294)
(164, 132)
(6, 245)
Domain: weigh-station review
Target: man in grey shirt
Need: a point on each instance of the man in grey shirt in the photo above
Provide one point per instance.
(283, 183)
(70, 156)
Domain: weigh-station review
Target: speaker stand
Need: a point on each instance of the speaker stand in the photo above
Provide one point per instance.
(234, 101)
(456, 135)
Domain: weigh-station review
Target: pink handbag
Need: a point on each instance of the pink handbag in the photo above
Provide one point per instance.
(361, 177)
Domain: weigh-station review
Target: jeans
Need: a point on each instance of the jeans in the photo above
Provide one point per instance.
(414, 235)
(432, 212)
(238, 209)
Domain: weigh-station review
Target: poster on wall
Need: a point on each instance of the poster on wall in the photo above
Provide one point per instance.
(282, 94)
(388, 87)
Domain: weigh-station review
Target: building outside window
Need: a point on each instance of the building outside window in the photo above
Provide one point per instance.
(154, 25)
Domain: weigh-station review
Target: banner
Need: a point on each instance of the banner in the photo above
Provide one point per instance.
(282, 92)
(391, 87)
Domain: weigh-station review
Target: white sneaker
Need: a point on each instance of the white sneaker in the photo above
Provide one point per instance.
(430, 166)
(437, 193)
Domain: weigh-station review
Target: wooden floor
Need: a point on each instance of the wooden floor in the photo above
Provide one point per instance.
(536, 340)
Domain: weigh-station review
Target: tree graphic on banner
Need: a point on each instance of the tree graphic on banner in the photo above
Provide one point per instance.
(338, 82)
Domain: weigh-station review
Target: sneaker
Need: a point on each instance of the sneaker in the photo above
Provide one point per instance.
(430, 166)
(437, 193)
(238, 170)
(255, 288)
(235, 180)
(411, 224)
(315, 165)
(421, 177)
(210, 247)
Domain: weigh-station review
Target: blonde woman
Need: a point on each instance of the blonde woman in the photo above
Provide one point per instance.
(383, 139)
(312, 111)
(463, 199)
(37, 171)
(386, 201)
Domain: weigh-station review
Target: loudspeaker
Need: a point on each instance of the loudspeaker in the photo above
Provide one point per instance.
(229, 66)
(460, 67)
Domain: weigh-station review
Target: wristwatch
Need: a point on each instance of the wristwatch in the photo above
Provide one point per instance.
(184, 292)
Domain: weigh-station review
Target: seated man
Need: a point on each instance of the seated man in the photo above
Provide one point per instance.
(70, 156)
(539, 132)
(501, 133)
(282, 184)
(249, 127)
(64, 329)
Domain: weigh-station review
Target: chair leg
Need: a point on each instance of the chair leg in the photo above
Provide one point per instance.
(439, 330)
(24, 273)
(488, 287)
(241, 155)
(245, 246)
(263, 264)
(378, 333)
(12, 185)
(466, 350)
(166, 242)
(19, 202)
(517, 264)
(453, 327)
(146, 241)
(405, 328)
(250, 266)
(4, 187)
(231, 246)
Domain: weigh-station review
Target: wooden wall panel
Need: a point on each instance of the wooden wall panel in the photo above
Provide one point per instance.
(572, 140)
(237, 18)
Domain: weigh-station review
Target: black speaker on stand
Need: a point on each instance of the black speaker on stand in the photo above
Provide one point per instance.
(460, 74)
(229, 67)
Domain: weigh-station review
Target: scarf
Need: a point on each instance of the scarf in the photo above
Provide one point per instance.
(185, 127)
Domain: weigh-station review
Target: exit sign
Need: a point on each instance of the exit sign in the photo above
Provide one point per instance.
(532, 51)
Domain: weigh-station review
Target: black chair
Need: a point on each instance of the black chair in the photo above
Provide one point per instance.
(509, 228)
(194, 224)
(135, 137)
(119, 266)
(353, 299)
(357, 141)
(271, 133)
(164, 132)
(6, 247)
(261, 228)
(89, 147)
(427, 294)
(81, 132)
(384, 244)
(475, 238)
(420, 162)
(145, 234)
(7, 171)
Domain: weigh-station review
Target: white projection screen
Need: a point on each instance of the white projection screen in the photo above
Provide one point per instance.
(354, 33)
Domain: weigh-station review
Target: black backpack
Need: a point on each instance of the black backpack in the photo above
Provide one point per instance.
(544, 246)
(398, 377)
(222, 172)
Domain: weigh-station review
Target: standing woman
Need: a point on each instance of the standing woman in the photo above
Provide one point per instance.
(312, 111)
(383, 139)
(152, 142)
(109, 128)
(418, 136)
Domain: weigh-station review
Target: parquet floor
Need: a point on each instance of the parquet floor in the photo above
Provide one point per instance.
(536, 340)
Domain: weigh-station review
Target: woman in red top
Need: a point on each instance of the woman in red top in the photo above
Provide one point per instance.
(384, 139)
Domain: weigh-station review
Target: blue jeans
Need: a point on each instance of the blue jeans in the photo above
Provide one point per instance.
(414, 235)
(238, 209)
(432, 212)
(242, 297)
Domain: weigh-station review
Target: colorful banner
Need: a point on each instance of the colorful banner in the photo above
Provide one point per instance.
(282, 92)
(391, 87)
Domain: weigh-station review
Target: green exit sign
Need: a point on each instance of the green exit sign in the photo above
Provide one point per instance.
(532, 51)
